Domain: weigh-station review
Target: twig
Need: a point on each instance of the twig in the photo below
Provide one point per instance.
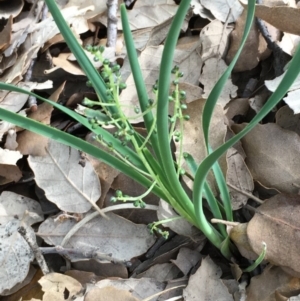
(250, 208)
(112, 21)
(24, 230)
(249, 195)
(95, 214)
(165, 291)
(223, 222)
(80, 254)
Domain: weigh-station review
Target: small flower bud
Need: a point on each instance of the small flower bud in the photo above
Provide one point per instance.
(88, 48)
(183, 106)
(106, 62)
(89, 84)
(101, 48)
(122, 86)
(115, 68)
(182, 171)
(119, 193)
(175, 69)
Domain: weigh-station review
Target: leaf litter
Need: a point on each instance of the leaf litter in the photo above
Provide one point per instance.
(267, 158)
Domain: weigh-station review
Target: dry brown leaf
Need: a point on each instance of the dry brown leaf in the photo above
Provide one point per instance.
(284, 18)
(148, 14)
(239, 176)
(14, 74)
(192, 91)
(15, 253)
(294, 298)
(113, 235)
(273, 279)
(140, 288)
(234, 288)
(99, 7)
(103, 270)
(161, 272)
(32, 37)
(14, 101)
(170, 249)
(30, 143)
(55, 40)
(199, 9)
(151, 36)
(212, 70)
(292, 98)
(83, 277)
(72, 187)
(238, 234)
(224, 10)
(18, 207)
(55, 286)
(214, 40)
(109, 293)
(106, 173)
(5, 63)
(130, 187)
(180, 226)
(11, 8)
(238, 106)
(63, 62)
(206, 284)
(20, 285)
(193, 141)
(272, 156)
(286, 118)
(25, 20)
(30, 290)
(186, 260)
(5, 34)
(9, 157)
(10, 173)
(277, 223)
(254, 50)
(258, 101)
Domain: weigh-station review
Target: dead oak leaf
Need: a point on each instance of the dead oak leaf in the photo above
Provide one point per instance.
(277, 223)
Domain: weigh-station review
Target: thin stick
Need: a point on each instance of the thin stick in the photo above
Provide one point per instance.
(25, 231)
(112, 21)
(80, 254)
(250, 208)
(95, 214)
(221, 221)
(164, 291)
(249, 195)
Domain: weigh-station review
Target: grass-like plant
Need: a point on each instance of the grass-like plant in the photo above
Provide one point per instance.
(149, 160)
